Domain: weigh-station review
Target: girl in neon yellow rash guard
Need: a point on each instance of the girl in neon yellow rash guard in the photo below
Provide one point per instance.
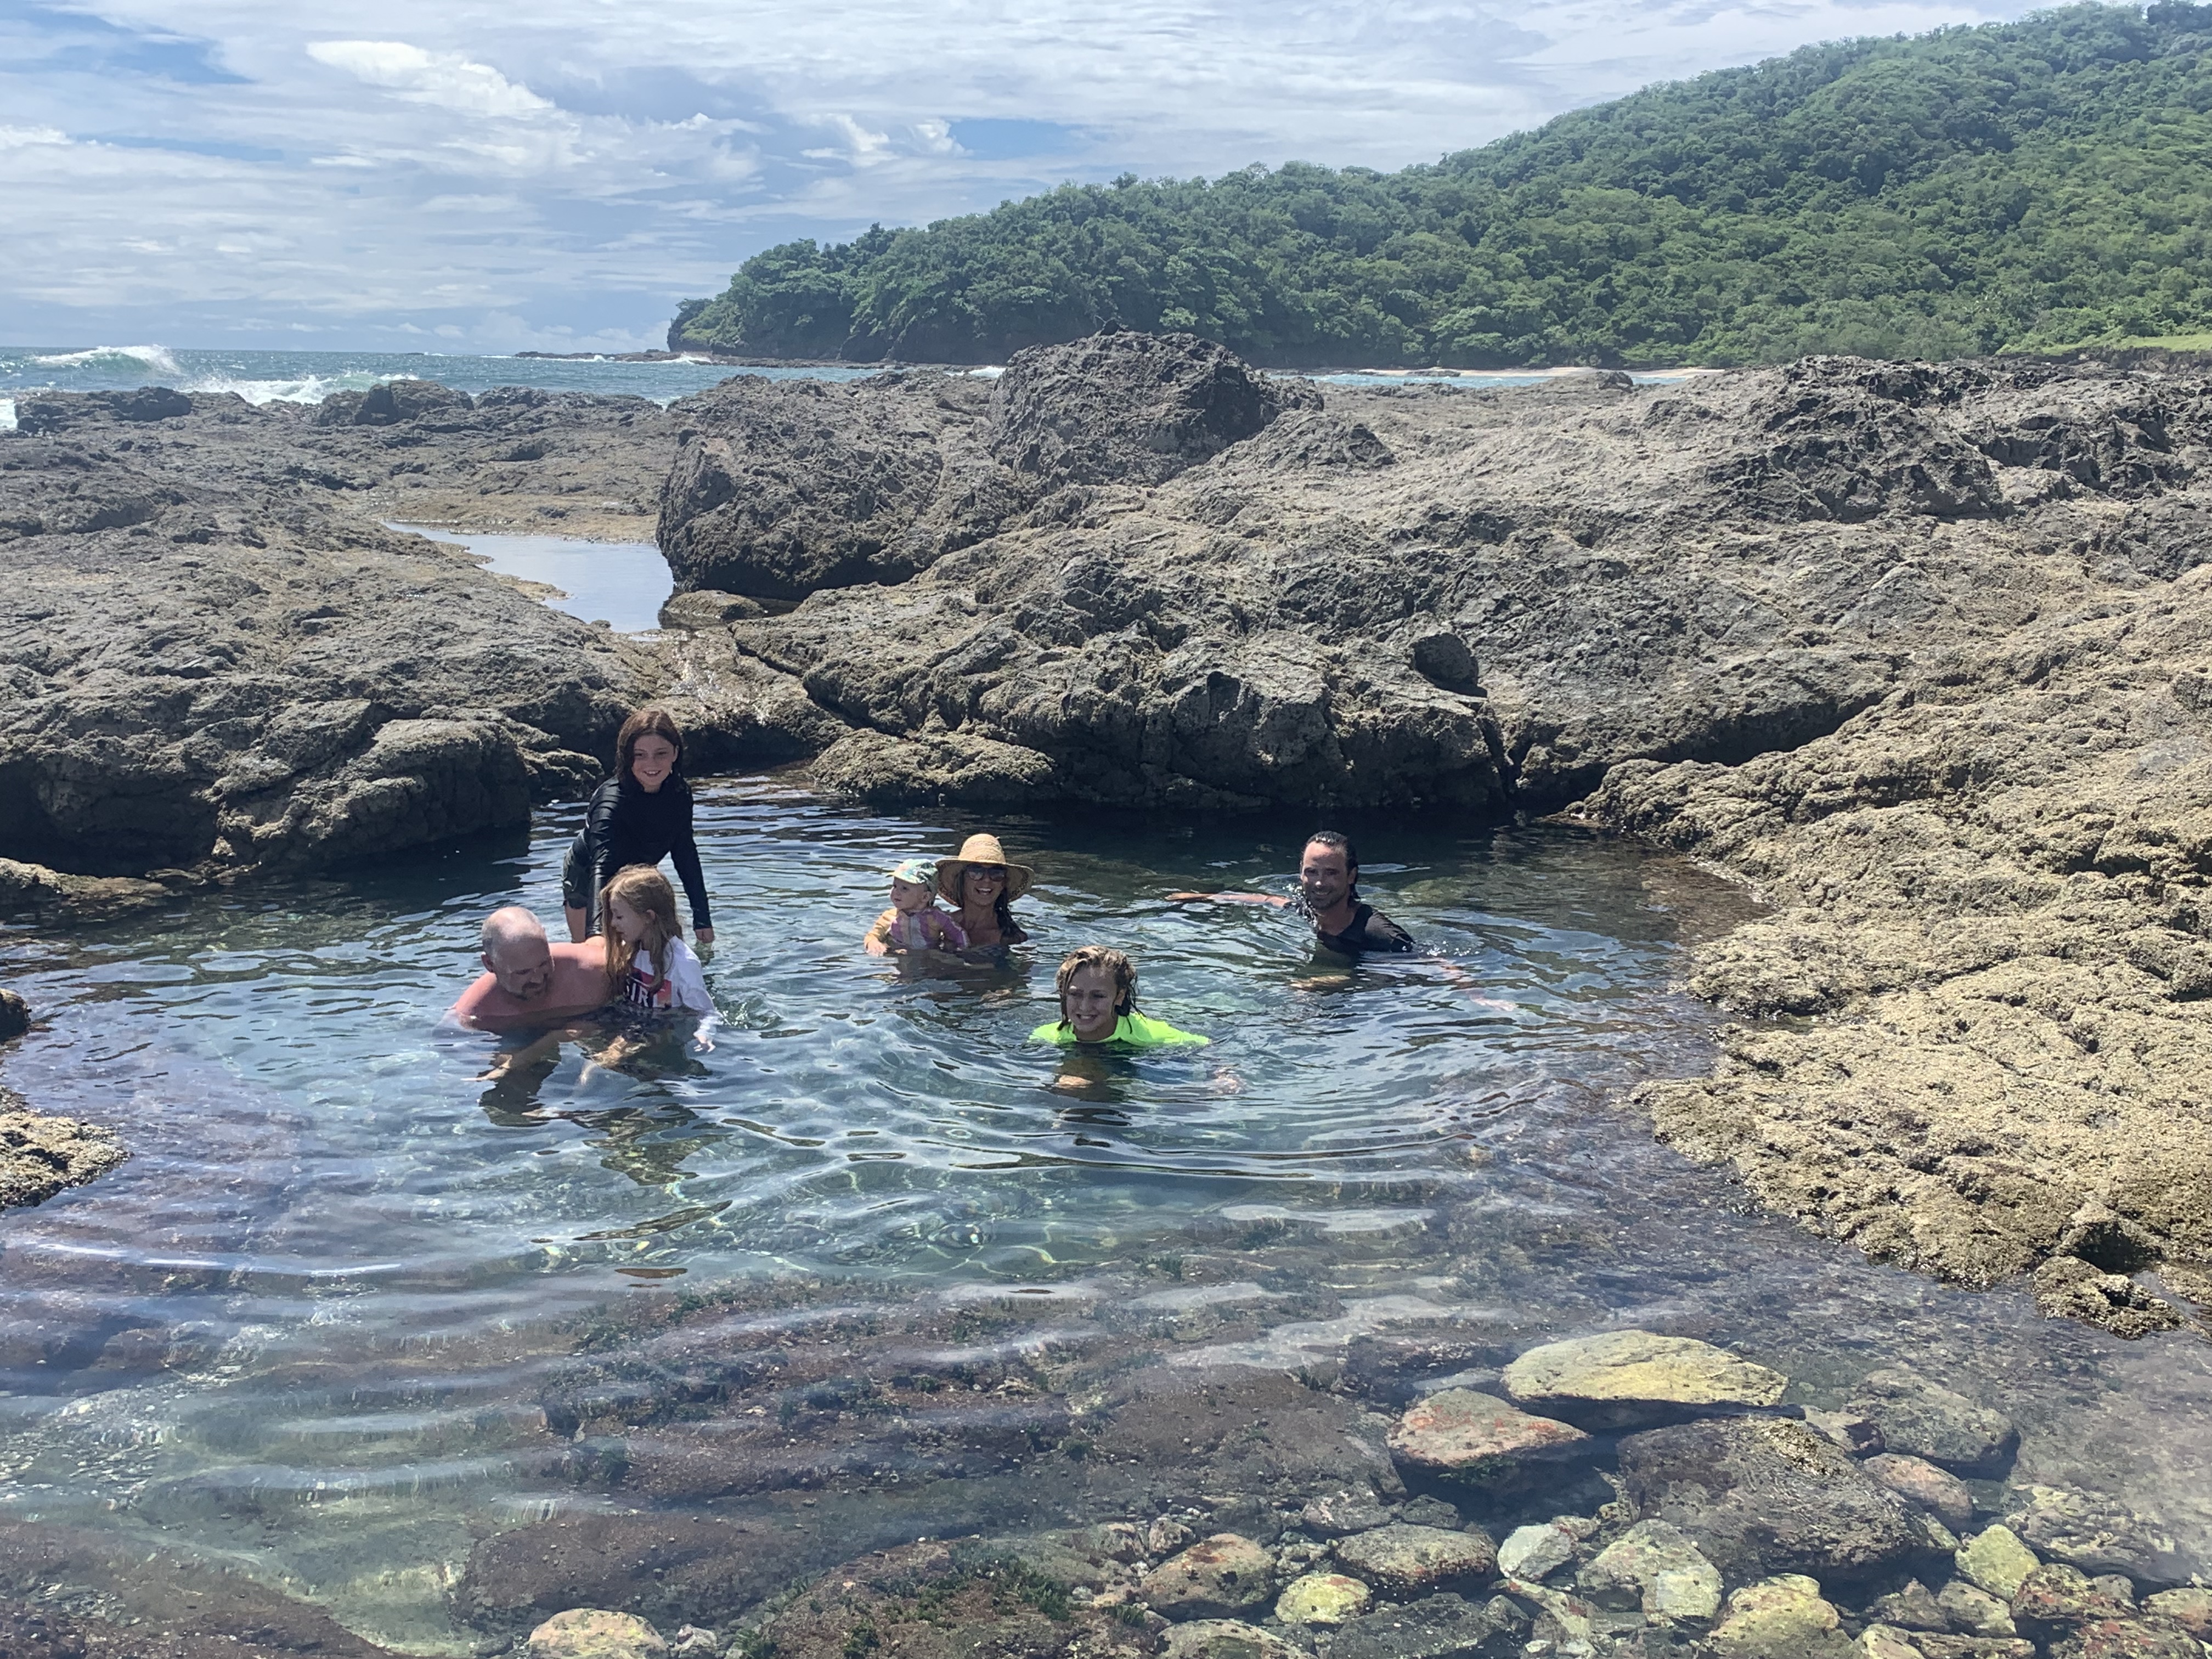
(1097, 1004)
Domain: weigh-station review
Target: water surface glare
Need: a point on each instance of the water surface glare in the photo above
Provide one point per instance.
(314, 1326)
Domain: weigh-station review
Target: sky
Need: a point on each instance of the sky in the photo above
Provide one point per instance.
(462, 177)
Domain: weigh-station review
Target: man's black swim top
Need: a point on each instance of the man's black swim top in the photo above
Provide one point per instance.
(1369, 930)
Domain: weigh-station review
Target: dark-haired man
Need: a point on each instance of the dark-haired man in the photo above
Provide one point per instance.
(1329, 897)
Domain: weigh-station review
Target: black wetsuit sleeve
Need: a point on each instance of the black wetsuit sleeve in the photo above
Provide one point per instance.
(599, 840)
(1380, 933)
(683, 848)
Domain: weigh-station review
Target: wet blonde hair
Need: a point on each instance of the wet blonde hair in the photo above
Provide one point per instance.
(1123, 970)
(646, 891)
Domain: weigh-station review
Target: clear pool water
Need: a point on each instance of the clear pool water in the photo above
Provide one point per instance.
(308, 1329)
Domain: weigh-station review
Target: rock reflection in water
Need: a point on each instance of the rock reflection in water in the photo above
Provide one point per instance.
(444, 1358)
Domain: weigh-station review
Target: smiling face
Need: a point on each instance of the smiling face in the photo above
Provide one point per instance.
(1325, 877)
(981, 884)
(651, 760)
(1087, 1005)
(523, 968)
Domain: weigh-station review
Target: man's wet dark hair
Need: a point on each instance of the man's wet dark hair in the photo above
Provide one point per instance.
(1335, 838)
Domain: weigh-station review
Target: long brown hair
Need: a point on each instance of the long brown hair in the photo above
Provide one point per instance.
(645, 723)
(646, 891)
(1122, 971)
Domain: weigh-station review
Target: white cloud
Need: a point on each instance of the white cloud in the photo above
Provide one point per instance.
(568, 171)
(444, 78)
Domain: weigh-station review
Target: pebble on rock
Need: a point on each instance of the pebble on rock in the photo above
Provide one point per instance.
(1535, 1551)
(595, 1633)
(1921, 1418)
(1410, 1560)
(1916, 1481)
(1216, 1577)
(1323, 1598)
(1476, 1437)
(1622, 1379)
(1995, 1560)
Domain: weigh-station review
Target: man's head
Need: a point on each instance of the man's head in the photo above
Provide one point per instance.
(515, 951)
(1328, 871)
(1096, 987)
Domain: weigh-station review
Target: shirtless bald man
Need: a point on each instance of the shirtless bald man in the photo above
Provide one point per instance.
(530, 980)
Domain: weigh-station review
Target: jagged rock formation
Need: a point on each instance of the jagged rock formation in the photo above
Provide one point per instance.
(1919, 650)
(212, 660)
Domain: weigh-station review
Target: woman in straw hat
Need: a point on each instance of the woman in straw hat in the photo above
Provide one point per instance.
(982, 886)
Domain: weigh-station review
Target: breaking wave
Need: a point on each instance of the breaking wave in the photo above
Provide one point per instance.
(151, 359)
(306, 389)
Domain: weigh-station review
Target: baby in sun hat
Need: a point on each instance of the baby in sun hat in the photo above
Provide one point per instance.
(914, 922)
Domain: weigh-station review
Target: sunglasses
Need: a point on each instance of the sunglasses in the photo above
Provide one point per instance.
(988, 871)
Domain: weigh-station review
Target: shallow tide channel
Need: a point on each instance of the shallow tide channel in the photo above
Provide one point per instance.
(326, 1325)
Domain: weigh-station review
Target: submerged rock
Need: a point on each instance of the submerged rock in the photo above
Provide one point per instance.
(1440, 1626)
(2190, 1608)
(1341, 1512)
(1321, 1598)
(1623, 1378)
(1780, 1618)
(1995, 1560)
(1216, 1577)
(1974, 1610)
(1535, 1553)
(1225, 1638)
(1654, 1566)
(40, 1156)
(2057, 1600)
(1910, 1606)
(1413, 1561)
(1765, 1495)
(1924, 1420)
(1478, 1439)
(1941, 1493)
(594, 1633)
(14, 1015)
(2097, 1534)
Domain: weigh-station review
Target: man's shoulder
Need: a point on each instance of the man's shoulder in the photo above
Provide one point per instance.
(483, 1001)
(590, 954)
(1379, 930)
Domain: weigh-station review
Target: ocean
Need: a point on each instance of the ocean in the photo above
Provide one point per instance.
(262, 377)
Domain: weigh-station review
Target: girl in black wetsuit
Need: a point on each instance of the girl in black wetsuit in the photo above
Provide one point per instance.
(641, 814)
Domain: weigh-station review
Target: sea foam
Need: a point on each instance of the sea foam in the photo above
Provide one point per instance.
(154, 359)
(306, 389)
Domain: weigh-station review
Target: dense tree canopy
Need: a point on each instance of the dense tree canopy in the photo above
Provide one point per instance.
(2017, 186)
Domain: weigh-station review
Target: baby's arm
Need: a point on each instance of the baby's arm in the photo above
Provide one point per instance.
(947, 934)
(878, 940)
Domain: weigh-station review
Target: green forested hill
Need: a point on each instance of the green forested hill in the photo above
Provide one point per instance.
(2035, 184)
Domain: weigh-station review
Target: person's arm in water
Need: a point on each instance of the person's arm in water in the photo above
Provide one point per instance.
(878, 940)
(684, 851)
(1230, 898)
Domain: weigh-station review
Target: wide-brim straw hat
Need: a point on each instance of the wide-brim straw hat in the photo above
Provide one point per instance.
(985, 850)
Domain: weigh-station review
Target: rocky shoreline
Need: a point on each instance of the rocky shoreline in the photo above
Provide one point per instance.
(1624, 1494)
(1918, 651)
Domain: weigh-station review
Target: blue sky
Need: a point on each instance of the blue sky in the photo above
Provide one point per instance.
(460, 176)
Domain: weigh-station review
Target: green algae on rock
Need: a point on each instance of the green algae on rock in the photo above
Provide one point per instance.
(41, 1155)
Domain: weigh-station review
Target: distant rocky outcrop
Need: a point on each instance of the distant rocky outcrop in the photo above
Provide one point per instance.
(213, 662)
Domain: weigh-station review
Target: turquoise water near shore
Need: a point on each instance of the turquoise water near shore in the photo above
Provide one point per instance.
(309, 1329)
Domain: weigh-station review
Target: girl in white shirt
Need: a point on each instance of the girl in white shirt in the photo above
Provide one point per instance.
(648, 964)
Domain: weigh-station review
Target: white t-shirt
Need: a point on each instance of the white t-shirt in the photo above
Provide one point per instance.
(685, 987)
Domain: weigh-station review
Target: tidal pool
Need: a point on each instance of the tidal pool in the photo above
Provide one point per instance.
(351, 1309)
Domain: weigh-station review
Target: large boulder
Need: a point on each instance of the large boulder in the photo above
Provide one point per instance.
(1131, 408)
(784, 488)
(1762, 1495)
